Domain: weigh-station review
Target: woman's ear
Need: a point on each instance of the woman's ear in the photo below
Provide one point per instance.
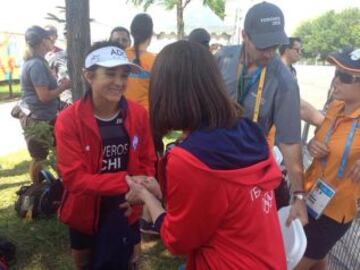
(88, 75)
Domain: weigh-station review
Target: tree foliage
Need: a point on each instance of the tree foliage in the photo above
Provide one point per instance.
(330, 32)
(218, 6)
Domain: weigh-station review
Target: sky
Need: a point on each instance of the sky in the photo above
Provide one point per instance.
(295, 11)
(17, 15)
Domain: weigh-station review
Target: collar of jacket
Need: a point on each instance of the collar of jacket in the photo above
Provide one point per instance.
(85, 111)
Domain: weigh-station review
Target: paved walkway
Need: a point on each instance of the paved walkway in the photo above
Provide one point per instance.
(11, 137)
(314, 82)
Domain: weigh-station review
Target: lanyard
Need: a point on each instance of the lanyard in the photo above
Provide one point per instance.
(348, 143)
(243, 91)
(258, 95)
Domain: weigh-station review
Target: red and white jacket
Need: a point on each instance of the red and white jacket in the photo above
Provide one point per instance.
(220, 205)
(79, 153)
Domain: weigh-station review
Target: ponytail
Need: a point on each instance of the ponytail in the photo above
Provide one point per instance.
(141, 29)
(29, 53)
(137, 53)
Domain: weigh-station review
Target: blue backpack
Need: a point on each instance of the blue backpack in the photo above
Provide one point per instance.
(41, 199)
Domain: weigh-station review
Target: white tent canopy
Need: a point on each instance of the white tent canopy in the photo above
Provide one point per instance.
(108, 14)
(195, 15)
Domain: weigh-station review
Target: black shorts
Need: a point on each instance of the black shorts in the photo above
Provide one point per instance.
(322, 235)
(80, 241)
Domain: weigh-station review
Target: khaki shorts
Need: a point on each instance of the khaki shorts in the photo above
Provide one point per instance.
(38, 150)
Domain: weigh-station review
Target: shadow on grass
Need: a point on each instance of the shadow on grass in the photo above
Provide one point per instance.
(18, 169)
(5, 97)
(41, 243)
(10, 185)
(157, 257)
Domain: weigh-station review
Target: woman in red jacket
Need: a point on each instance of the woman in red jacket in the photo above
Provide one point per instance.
(101, 139)
(219, 180)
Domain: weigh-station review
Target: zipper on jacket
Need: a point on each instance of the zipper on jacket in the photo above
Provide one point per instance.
(63, 200)
(123, 109)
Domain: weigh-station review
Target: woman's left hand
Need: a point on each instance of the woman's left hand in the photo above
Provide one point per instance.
(354, 173)
(134, 195)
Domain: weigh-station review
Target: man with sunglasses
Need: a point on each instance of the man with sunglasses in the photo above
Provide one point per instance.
(290, 53)
(256, 78)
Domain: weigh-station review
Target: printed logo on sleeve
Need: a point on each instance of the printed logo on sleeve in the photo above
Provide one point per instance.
(135, 142)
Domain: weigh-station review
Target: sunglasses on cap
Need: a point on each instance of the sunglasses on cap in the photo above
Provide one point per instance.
(346, 78)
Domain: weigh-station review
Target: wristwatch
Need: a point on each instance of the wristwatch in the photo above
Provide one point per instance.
(298, 196)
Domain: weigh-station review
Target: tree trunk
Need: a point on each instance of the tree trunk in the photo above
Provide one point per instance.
(78, 41)
(180, 19)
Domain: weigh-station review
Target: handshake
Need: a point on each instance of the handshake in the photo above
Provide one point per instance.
(140, 187)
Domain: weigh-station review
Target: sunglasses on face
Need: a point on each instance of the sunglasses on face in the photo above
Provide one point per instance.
(272, 48)
(346, 78)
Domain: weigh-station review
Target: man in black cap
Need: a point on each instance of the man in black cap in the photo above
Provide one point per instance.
(256, 78)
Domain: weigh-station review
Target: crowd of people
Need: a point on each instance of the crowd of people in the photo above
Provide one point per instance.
(213, 194)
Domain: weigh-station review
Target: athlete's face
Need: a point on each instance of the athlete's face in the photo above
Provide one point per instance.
(108, 84)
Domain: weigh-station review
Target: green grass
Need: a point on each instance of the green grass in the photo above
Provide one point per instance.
(43, 243)
(4, 92)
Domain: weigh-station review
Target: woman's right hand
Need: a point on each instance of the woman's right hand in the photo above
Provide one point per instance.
(150, 183)
(153, 186)
(136, 190)
(317, 149)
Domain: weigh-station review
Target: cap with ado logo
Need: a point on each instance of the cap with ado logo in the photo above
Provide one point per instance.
(108, 57)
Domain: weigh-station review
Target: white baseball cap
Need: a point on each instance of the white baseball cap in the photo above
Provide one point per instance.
(109, 57)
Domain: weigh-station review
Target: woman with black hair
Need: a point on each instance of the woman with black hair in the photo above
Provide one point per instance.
(101, 139)
(138, 87)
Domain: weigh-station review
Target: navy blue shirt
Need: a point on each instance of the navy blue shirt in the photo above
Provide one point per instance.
(115, 142)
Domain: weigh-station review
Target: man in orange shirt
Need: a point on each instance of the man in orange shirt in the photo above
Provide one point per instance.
(332, 182)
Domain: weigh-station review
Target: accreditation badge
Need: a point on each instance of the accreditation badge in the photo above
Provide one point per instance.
(318, 198)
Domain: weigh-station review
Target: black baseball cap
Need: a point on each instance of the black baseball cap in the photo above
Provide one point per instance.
(35, 34)
(51, 29)
(264, 24)
(200, 35)
(347, 59)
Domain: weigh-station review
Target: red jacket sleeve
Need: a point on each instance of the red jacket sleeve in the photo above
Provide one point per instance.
(196, 204)
(74, 169)
(147, 155)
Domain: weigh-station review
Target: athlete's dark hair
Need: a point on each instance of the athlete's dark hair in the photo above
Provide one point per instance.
(187, 91)
(141, 29)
